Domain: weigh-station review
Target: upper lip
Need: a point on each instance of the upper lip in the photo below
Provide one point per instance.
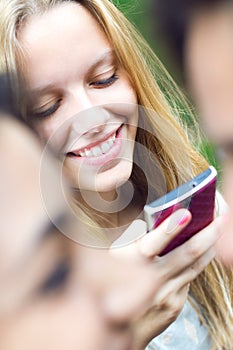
(93, 144)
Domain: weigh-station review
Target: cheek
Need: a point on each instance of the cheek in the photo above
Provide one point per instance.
(129, 93)
(53, 134)
(123, 90)
(77, 174)
(127, 110)
(45, 129)
(56, 327)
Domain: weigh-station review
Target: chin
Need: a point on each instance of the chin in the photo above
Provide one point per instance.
(106, 181)
(114, 178)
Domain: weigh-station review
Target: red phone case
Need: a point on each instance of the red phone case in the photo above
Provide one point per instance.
(201, 204)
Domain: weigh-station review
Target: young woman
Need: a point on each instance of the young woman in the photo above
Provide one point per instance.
(99, 101)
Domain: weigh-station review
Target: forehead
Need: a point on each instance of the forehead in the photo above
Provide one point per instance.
(66, 36)
(62, 16)
(211, 32)
(209, 58)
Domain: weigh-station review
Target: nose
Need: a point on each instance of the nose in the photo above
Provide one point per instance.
(89, 116)
(90, 121)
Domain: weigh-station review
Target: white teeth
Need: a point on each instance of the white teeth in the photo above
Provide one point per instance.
(105, 147)
(87, 153)
(82, 154)
(111, 142)
(98, 150)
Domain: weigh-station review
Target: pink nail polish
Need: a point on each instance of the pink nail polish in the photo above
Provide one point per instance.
(184, 219)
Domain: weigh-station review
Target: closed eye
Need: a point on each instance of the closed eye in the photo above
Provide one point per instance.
(49, 111)
(57, 278)
(105, 82)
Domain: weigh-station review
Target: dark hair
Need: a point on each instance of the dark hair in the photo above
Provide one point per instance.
(8, 101)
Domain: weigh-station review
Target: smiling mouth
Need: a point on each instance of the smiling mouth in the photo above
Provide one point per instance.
(97, 149)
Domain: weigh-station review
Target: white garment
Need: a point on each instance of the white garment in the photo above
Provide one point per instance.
(185, 333)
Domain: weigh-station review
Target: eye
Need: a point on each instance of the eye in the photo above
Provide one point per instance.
(49, 111)
(105, 82)
(57, 278)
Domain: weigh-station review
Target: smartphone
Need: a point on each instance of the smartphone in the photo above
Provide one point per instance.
(196, 195)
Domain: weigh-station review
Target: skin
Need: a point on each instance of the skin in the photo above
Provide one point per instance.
(93, 310)
(80, 309)
(85, 309)
(29, 259)
(76, 89)
(209, 67)
(90, 80)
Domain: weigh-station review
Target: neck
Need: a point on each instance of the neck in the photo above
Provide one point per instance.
(109, 196)
(117, 208)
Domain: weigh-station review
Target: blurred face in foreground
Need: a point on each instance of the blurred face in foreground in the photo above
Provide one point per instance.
(209, 64)
(54, 293)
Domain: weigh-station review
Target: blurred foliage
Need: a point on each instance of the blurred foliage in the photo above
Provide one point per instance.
(208, 151)
(139, 13)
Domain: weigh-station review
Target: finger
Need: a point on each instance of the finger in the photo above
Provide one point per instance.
(195, 269)
(192, 271)
(136, 230)
(183, 295)
(156, 240)
(196, 247)
(172, 299)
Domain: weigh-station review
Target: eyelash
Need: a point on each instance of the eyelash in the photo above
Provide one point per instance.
(48, 112)
(98, 84)
(57, 278)
(106, 82)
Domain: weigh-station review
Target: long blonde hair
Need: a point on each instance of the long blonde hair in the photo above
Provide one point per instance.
(157, 92)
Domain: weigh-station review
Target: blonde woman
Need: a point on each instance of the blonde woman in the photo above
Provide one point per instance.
(50, 298)
(99, 102)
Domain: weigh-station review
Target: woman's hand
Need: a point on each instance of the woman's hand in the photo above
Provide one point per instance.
(172, 272)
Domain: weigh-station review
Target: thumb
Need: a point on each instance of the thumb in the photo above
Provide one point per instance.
(136, 230)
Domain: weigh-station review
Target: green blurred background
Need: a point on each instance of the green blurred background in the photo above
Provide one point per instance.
(138, 12)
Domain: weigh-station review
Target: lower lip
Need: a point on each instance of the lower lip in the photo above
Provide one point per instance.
(102, 159)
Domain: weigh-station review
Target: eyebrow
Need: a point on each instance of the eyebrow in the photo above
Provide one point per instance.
(108, 55)
(43, 90)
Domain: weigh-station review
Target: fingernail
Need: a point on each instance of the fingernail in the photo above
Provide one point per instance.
(184, 219)
(179, 218)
